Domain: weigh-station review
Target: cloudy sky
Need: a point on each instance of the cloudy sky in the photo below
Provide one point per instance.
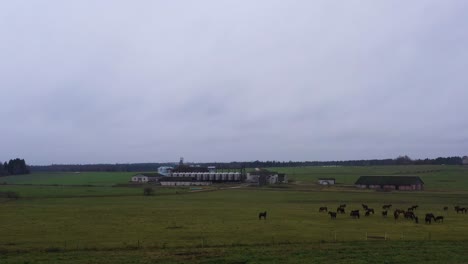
(146, 81)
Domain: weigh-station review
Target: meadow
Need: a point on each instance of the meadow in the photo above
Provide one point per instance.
(110, 223)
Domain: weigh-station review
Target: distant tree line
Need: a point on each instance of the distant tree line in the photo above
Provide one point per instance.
(14, 167)
(139, 167)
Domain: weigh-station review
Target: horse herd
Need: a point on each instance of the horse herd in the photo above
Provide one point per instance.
(397, 213)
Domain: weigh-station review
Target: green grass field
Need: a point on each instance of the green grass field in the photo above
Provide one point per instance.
(105, 224)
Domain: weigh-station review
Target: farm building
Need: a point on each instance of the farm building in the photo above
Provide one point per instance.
(465, 160)
(165, 170)
(326, 181)
(406, 183)
(147, 177)
(182, 181)
(210, 176)
(263, 177)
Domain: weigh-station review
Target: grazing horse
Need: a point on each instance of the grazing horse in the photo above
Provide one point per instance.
(415, 207)
(439, 219)
(332, 215)
(386, 206)
(264, 215)
(460, 209)
(429, 218)
(340, 210)
(445, 208)
(365, 206)
(384, 213)
(370, 210)
(409, 215)
(355, 214)
(323, 209)
(410, 209)
(342, 205)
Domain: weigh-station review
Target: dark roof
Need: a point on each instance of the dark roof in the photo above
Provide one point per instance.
(152, 174)
(327, 179)
(389, 180)
(180, 179)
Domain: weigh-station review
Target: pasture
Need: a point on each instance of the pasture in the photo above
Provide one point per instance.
(105, 224)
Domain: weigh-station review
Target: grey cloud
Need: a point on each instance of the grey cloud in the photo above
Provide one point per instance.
(114, 81)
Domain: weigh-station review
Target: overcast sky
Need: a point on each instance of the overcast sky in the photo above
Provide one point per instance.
(91, 81)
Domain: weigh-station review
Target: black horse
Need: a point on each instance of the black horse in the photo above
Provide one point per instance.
(355, 214)
(429, 218)
(342, 205)
(416, 220)
(460, 209)
(340, 210)
(364, 206)
(323, 209)
(264, 215)
(409, 215)
(332, 215)
(384, 213)
(439, 219)
(370, 210)
(386, 206)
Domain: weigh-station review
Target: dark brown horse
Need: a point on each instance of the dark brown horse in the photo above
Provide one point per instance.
(355, 214)
(323, 209)
(340, 210)
(409, 215)
(332, 215)
(386, 206)
(262, 215)
(384, 213)
(429, 218)
(439, 219)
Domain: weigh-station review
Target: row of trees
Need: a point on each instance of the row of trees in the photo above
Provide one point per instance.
(14, 167)
(135, 167)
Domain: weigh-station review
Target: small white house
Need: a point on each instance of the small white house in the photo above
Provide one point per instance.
(164, 170)
(326, 181)
(146, 177)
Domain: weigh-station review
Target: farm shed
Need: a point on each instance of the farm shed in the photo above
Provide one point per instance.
(146, 177)
(465, 160)
(263, 177)
(182, 181)
(403, 183)
(326, 181)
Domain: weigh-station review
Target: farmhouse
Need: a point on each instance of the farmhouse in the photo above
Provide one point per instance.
(147, 177)
(406, 183)
(326, 181)
(182, 181)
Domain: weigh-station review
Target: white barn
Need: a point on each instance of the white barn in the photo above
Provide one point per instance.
(326, 181)
(146, 177)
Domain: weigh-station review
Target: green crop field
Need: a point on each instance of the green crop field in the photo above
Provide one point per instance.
(103, 223)
(70, 178)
